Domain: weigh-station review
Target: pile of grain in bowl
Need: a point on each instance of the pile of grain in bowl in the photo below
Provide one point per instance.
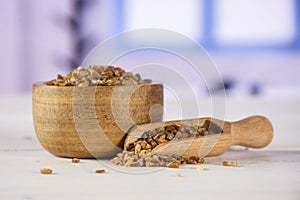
(97, 75)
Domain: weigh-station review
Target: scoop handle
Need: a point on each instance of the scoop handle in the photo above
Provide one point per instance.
(254, 132)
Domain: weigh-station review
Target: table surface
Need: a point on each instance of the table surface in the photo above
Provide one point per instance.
(272, 172)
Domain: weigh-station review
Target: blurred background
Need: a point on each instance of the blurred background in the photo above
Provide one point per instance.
(254, 43)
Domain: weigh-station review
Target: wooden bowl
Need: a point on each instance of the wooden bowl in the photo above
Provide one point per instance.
(87, 122)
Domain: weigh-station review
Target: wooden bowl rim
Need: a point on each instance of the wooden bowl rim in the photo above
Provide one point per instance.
(42, 84)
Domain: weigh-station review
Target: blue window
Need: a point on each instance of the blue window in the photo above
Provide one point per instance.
(220, 24)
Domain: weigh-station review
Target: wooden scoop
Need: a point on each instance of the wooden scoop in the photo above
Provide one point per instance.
(253, 132)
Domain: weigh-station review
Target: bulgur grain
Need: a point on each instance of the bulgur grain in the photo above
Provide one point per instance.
(46, 171)
(75, 160)
(100, 171)
(225, 163)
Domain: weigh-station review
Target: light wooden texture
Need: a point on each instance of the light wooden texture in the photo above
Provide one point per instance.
(92, 121)
(269, 173)
(253, 132)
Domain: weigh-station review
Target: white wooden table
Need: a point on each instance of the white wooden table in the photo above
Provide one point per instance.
(270, 173)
